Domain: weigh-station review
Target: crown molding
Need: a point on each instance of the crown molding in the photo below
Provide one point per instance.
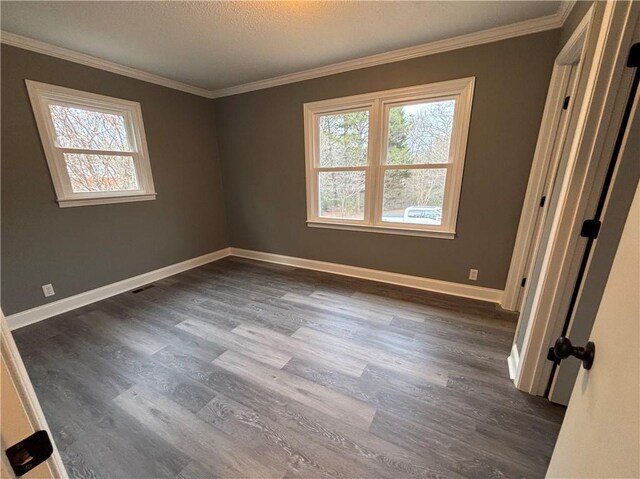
(95, 62)
(527, 27)
(513, 30)
(565, 9)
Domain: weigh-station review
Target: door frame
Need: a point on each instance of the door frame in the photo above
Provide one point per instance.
(616, 198)
(604, 91)
(27, 396)
(545, 162)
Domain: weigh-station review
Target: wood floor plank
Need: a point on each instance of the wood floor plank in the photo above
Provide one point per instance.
(337, 405)
(336, 345)
(502, 392)
(75, 403)
(512, 446)
(332, 306)
(434, 415)
(438, 408)
(191, 304)
(448, 354)
(242, 281)
(334, 380)
(238, 310)
(357, 379)
(262, 274)
(147, 371)
(194, 470)
(462, 460)
(127, 333)
(304, 350)
(489, 340)
(297, 316)
(98, 447)
(86, 366)
(248, 347)
(366, 305)
(440, 308)
(194, 437)
(266, 437)
(479, 408)
(385, 458)
(145, 318)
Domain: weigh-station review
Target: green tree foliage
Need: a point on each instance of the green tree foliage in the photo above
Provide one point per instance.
(344, 139)
(343, 142)
(417, 134)
(398, 144)
(397, 154)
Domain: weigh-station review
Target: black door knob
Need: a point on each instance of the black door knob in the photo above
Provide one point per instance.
(563, 349)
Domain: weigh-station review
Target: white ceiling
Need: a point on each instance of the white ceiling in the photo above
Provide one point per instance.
(219, 44)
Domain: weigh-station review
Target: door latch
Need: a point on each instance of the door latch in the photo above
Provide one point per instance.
(563, 349)
(29, 452)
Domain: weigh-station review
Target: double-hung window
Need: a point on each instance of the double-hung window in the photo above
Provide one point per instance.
(388, 161)
(95, 146)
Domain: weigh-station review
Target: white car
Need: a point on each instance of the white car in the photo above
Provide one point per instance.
(423, 215)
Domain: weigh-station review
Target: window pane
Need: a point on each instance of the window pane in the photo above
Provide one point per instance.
(341, 194)
(414, 196)
(420, 133)
(101, 173)
(344, 139)
(90, 130)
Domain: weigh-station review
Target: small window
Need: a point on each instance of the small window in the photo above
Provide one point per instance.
(95, 146)
(388, 161)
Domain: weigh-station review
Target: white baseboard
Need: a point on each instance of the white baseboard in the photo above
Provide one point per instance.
(417, 282)
(45, 311)
(512, 361)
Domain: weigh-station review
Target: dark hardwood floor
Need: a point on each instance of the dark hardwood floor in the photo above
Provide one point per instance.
(247, 369)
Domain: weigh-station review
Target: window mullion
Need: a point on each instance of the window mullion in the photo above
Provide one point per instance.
(87, 151)
(340, 168)
(418, 166)
(375, 162)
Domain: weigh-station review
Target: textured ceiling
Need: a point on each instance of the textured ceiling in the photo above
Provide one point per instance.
(220, 44)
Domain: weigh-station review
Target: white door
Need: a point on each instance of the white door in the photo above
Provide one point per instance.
(20, 411)
(554, 170)
(600, 435)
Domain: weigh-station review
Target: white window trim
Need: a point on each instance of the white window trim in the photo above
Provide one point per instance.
(378, 103)
(41, 95)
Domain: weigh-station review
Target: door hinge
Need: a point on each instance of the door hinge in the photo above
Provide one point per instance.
(542, 200)
(565, 104)
(523, 282)
(590, 229)
(634, 56)
(29, 452)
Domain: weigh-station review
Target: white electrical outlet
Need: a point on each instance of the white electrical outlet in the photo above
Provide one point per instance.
(473, 274)
(47, 289)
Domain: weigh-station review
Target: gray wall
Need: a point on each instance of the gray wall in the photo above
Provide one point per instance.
(260, 136)
(81, 248)
(261, 143)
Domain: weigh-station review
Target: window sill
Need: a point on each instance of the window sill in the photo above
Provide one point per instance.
(383, 229)
(104, 200)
